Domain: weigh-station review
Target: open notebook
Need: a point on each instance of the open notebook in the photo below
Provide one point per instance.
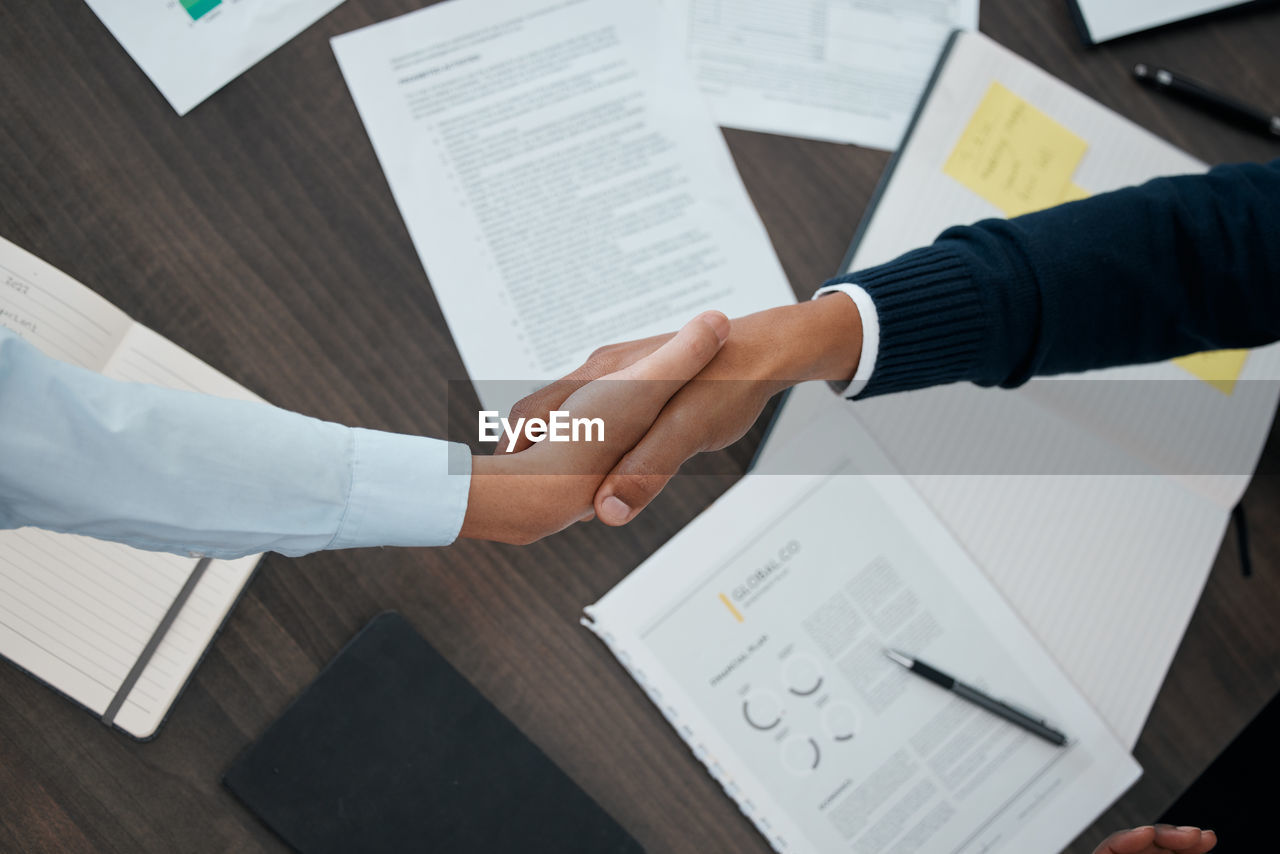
(115, 629)
(1094, 503)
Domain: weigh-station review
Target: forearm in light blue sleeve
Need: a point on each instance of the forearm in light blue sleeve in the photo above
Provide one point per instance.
(176, 471)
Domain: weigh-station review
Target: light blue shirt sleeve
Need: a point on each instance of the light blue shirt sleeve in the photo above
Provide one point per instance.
(182, 472)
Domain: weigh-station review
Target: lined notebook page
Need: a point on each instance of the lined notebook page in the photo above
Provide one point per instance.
(56, 313)
(1069, 552)
(74, 611)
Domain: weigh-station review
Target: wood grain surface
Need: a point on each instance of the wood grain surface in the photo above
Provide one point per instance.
(259, 233)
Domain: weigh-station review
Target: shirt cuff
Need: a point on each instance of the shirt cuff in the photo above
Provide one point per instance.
(405, 491)
(870, 335)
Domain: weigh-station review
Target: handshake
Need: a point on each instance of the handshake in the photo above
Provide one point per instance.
(661, 400)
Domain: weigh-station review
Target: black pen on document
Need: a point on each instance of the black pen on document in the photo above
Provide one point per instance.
(1198, 95)
(973, 695)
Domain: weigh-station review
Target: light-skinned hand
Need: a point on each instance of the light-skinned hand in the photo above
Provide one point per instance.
(765, 353)
(521, 497)
(1159, 839)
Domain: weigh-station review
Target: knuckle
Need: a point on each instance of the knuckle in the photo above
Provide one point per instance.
(602, 354)
(644, 473)
(524, 407)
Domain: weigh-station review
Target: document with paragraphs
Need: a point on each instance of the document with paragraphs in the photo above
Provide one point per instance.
(760, 630)
(561, 179)
(116, 629)
(840, 70)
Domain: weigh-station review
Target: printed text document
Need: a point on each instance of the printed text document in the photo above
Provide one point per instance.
(561, 179)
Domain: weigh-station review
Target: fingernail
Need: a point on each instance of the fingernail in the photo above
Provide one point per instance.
(614, 510)
(717, 321)
(1187, 827)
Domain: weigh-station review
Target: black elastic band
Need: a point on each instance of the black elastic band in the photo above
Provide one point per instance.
(1242, 538)
(144, 657)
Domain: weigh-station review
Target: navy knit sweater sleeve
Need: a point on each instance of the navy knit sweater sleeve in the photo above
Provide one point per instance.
(1174, 266)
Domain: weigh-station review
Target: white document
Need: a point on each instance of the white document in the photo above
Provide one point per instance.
(561, 179)
(1106, 19)
(1079, 496)
(192, 48)
(839, 70)
(759, 631)
(76, 612)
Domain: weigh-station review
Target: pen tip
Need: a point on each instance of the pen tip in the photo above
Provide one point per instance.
(897, 657)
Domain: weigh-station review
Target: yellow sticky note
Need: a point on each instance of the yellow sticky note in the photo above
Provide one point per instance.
(1219, 368)
(1014, 155)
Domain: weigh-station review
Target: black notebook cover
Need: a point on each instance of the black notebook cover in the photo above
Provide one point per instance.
(391, 749)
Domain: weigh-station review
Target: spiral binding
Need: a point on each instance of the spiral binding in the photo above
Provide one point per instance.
(699, 750)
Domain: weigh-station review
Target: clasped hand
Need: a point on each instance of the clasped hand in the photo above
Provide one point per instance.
(663, 400)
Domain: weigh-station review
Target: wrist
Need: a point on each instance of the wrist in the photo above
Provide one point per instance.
(481, 521)
(823, 340)
(521, 498)
(498, 501)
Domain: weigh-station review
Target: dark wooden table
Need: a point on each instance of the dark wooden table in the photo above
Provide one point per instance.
(259, 233)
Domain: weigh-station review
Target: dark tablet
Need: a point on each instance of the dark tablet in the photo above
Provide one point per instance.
(391, 749)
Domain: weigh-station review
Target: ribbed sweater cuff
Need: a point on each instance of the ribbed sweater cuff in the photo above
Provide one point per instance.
(932, 320)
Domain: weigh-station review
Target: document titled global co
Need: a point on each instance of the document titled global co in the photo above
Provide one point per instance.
(561, 178)
(775, 657)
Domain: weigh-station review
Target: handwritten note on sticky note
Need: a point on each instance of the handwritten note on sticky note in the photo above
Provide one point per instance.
(1015, 156)
(1219, 368)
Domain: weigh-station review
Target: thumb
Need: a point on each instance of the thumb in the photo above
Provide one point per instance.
(684, 355)
(647, 468)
